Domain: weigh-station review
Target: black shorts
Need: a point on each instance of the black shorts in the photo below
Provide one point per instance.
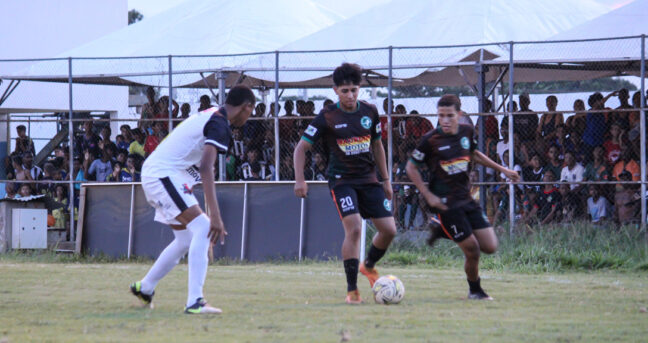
(367, 199)
(459, 223)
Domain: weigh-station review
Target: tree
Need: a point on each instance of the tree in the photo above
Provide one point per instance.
(134, 16)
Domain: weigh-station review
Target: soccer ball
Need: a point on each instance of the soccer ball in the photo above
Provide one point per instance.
(388, 290)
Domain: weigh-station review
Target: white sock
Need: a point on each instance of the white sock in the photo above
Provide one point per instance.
(198, 258)
(169, 257)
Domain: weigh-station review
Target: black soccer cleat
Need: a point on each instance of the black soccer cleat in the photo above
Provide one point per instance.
(435, 231)
(202, 307)
(479, 295)
(136, 289)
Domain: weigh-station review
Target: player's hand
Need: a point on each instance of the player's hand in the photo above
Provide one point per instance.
(512, 175)
(389, 191)
(301, 189)
(216, 231)
(434, 201)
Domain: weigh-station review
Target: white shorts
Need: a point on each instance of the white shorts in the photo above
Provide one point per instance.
(170, 196)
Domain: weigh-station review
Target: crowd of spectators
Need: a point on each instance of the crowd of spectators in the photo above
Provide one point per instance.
(595, 144)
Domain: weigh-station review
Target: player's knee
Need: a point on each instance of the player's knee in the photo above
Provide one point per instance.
(353, 233)
(471, 251)
(389, 233)
(489, 248)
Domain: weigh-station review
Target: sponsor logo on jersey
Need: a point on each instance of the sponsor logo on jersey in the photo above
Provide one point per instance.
(186, 189)
(365, 122)
(311, 130)
(193, 173)
(445, 147)
(456, 166)
(387, 204)
(340, 126)
(465, 143)
(417, 155)
(355, 145)
(378, 127)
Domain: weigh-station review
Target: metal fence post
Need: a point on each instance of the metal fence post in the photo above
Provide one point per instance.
(390, 139)
(222, 171)
(480, 120)
(277, 162)
(170, 95)
(71, 149)
(642, 127)
(510, 143)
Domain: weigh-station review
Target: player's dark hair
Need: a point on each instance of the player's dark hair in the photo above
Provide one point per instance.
(21, 128)
(449, 100)
(238, 95)
(347, 74)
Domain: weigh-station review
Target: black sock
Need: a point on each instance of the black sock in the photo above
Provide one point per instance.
(475, 286)
(374, 256)
(351, 271)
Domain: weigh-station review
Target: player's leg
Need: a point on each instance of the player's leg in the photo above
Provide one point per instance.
(345, 199)
(481, 228)
(373, 203)
(169, 258)
(471, 250)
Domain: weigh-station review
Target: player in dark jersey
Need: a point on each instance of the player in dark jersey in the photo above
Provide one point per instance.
(351, 134)
(447, 152)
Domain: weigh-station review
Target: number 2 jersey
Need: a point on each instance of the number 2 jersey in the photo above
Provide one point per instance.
(448, 158)
(347, 137)
(182, 149)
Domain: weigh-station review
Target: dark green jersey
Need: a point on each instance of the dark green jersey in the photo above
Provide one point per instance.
(347, 137)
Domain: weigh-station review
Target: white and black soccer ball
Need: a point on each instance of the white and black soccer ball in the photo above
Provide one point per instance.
(388, 290)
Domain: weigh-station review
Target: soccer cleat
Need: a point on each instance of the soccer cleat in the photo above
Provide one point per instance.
(479, 295)
(136, 289)
(353, 298)
(370, 273)
(201, 307)
(435, 231)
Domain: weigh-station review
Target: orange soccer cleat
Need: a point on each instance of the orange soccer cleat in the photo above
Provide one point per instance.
(353, 298)
(370, 273)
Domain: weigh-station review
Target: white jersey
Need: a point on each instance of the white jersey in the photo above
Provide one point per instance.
(183, 147)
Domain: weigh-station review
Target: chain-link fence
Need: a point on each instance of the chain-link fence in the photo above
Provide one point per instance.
(568, 116)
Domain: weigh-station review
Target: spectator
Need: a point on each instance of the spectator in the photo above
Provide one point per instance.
(137, 146)
(121, 156)
(622, 115)
(78, 172)
(153, 140)
(464, 118)
(116, 171)
(549, 121)
(253, 129)
(149, 110)
(10, 190)
(387, 108)
(548, 204)
(627, 163)
(554, 163)
(560, 140)
(121, 142)
(23, 142)
(162, 115)
(185, 109)
(327, 102)
(286, 171)
(255, 169)
(533, 172)
(48, 174)
(528, 203)
(20, 173)
(271, 112)
(24, 191)
(131, 172)
(89, 140)
(627, 205)
(127, 134)
(101, 167)
(205, 103)
(503, 145)
(417, 126)
(287, 126)
(60, 196)
(597, 170)
(516, 167)
(246, 167)
(572, 205)
(35, 172)
(319, 167)
(597, 206)
(613, 145)
(595, 123)
(525, 125)
(490, 123)
(106, 132)
(572, 172)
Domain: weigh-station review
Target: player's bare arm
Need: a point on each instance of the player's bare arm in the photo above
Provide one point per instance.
(299, 158)
(485, 161)
(217, 228)
(415, 176)
(381, 162)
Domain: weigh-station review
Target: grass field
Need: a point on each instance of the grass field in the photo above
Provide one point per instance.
(290, 302)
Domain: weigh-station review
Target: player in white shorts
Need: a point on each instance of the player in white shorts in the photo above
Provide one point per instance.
(168, 176)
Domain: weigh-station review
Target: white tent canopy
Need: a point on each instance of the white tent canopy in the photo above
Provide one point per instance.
(205, 27)
(427, 23)
(587, 59)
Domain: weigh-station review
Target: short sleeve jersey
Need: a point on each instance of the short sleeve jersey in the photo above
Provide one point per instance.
(347, 137)
(546, 201)
(448, 158)
(183, 147)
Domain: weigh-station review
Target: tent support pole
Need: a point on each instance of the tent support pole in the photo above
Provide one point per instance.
(642, 129)
(390, 138)
(211, 90)
(511, 145)
(71, 149)
(170, 95)
(481, 69)
(277, 161)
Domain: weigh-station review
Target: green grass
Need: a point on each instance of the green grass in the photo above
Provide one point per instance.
(290, 302)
